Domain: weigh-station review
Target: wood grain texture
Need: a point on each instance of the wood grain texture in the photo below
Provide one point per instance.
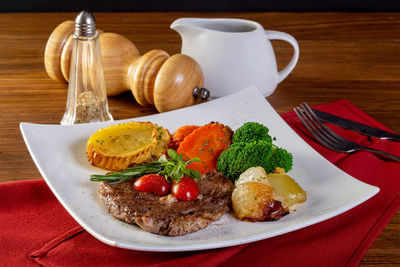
(59, 38)
(174, 86)
(144, 79)
(342, 55)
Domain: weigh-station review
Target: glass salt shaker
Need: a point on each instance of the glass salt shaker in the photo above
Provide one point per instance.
(87, 96)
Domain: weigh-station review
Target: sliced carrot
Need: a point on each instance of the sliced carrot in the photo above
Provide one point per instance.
(180, 134)
(206, 143)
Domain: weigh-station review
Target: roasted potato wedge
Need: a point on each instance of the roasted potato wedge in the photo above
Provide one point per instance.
(289, 191)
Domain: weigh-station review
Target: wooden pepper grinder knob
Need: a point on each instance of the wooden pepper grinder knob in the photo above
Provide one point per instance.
(155, 78)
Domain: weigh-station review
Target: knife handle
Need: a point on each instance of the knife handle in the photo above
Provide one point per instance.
(391, 138)
(356, 126)
(381, 153)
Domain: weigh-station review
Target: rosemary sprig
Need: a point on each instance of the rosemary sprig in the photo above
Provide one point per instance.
(173, 168)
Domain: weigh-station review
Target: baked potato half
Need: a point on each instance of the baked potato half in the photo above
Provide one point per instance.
(257, 202)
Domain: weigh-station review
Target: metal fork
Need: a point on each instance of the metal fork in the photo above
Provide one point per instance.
(330, 139)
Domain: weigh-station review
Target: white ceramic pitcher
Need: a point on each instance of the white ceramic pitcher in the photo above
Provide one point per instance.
(234, 53)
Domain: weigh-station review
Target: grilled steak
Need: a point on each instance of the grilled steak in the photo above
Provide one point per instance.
(165, 215)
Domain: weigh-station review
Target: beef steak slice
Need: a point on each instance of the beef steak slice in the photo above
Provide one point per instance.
(165, 215)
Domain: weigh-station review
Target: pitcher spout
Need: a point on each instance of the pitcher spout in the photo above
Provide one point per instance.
(187, 27)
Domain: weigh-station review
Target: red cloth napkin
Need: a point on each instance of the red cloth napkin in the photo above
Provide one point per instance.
(36, 228)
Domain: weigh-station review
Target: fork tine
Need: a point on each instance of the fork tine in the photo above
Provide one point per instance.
(323, 128)
(317, 128)
(316, 118)
(311, 128)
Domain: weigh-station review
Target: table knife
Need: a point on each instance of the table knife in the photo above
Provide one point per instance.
(356, 126)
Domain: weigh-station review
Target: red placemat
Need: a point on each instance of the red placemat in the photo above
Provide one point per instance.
(36, 228)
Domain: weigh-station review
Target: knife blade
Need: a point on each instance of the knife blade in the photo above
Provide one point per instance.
(356, 126)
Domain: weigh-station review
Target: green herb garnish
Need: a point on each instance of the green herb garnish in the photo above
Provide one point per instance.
(173, 168)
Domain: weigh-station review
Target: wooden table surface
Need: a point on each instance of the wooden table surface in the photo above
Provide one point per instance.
(354, 56)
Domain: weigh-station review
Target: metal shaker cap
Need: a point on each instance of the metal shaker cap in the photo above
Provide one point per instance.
(85, 24)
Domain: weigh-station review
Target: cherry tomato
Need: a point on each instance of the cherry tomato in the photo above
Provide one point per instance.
(186, 189)
(153, 183)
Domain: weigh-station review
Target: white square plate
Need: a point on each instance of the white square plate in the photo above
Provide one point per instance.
(59, 154)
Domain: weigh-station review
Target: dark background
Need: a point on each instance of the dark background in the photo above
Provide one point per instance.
(199, 5)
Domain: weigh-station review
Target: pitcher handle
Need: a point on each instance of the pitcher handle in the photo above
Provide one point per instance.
(275, 35)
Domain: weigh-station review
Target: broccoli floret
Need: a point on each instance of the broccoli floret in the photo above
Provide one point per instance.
(279, 158)
(251, 131)
(251, 147)
(241, 156)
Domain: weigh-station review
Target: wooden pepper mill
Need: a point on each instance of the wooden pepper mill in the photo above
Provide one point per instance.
(155, 78)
